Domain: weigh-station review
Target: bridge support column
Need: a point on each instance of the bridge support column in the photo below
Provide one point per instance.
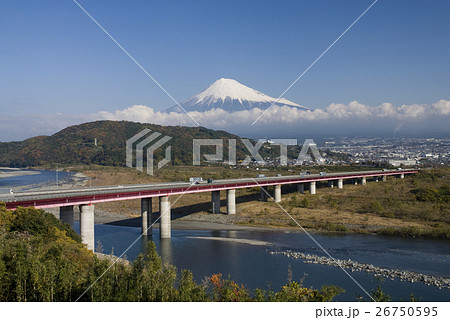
(330, 183)
(264, 196)
(363, 181)
(215, 201)
(300, 188)
(340, 184)
(402, 176)
(146, 216)
(66, 215)
(231, 201)
(164, 217)
(87, 225)
(277, 193)
(384, 178)
(312, 187)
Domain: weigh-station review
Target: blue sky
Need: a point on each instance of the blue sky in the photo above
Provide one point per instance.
(54, 59)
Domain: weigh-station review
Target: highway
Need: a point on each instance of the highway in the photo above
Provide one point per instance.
(78, 196)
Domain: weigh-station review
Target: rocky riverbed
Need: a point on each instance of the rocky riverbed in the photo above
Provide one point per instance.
(403, 275)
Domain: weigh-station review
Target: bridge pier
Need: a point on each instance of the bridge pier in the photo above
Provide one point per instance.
(340, 184)
(277, 192)
(300, 188)
(164, 217)
(87, 225)
(384, 178)
(231, 201)
(312, 187)
(66, 215)
(215, 201)
(146, 216)
(363, 181)
(402, 176)
(264, 196)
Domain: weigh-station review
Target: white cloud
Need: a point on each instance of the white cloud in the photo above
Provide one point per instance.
(281, 114)
(337, 118)
(442, 107)
(352, 110)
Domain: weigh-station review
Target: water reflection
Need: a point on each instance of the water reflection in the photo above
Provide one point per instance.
(166, 251)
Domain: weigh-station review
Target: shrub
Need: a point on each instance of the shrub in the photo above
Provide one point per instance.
(376, 207)
(305, 203)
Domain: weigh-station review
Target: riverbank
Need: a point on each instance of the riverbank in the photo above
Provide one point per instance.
(131, 220)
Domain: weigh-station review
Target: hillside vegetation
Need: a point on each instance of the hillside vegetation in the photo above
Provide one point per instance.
(76, 145)
(417, 206)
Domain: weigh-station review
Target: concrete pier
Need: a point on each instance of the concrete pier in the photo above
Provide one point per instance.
(277, 192)
(312, 187)
(215, 201)
(231, 201)
(146, 216)
(363, 181)
(87, 225)
(165, 217)
(300, 188)
(402, 175)
(66, 215)
(340, 184)
(264, 195)
(384, 178)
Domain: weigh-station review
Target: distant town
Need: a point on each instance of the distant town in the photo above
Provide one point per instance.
(389, 151)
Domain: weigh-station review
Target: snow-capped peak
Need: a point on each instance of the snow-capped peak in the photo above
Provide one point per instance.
(229, 88)
(230, 95)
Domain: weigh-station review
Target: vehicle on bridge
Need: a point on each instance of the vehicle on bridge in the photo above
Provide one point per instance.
(195, 179)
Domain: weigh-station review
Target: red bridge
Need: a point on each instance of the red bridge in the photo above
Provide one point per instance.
(66, 199)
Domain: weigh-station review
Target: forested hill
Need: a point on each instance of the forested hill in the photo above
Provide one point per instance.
(76, 144)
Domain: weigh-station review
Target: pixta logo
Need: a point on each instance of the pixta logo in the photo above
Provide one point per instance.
(147, 142)
(308, 147)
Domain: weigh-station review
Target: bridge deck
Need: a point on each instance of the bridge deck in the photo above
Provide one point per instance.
(77, 196)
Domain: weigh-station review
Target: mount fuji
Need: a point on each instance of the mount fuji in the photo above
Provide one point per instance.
(230, 95)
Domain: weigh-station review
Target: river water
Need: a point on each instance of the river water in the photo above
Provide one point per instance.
(206, 252)
(44, 178)
(253, 266)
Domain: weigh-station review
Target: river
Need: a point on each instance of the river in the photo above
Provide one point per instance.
(205, 253)
(42, 179)
(230, 253)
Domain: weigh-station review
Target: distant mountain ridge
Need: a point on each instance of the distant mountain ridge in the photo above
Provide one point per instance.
(230, 95)
(103, 143)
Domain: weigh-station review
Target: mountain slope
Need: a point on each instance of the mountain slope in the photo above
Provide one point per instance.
(230, 95)
(76, 144)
